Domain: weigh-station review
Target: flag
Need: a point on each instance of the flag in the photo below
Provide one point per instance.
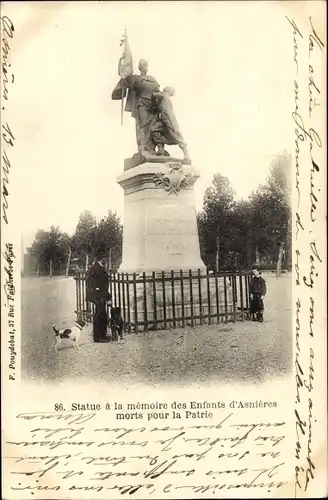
(126, 63)
(125, 68)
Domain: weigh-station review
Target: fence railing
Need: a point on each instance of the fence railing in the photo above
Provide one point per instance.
(158, 301)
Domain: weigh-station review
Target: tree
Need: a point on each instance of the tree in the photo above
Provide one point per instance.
(271, 212)
(91, 236)
(238, 233)
(83, 240)
(38, 249)
(241, 241)
(50, 249)
(215, 222)
(109, 236)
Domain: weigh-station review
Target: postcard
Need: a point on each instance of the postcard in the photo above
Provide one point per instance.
(163, 246)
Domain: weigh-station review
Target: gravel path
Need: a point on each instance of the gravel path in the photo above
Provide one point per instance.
(236, 352)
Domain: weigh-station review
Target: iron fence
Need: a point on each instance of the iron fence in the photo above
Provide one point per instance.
(158, 301)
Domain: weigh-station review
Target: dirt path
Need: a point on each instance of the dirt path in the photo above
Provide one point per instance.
(237, 352)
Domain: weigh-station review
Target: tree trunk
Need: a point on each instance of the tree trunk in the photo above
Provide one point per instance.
(279, 262)
(68, 261)
(50, 268)
(38, 270)
(217, 256)
(86, 261)
(257, 256)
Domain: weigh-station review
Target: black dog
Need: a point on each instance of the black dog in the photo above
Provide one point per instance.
(116, 323)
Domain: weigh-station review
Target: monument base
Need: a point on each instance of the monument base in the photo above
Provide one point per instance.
(145, 157)
(160, 227)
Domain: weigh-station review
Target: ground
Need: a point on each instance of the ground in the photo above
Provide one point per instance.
(236, 352)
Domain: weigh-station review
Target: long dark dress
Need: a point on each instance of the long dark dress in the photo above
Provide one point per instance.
(97, 284)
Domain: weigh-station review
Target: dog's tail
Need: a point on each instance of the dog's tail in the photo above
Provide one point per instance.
(55, 329)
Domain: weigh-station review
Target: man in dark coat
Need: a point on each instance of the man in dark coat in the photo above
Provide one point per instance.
(97, 283)
(257, 292)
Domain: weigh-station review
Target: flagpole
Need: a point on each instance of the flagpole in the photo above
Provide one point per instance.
(122, 102)
(123, 84)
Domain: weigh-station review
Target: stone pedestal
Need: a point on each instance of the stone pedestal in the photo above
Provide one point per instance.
(160, 227)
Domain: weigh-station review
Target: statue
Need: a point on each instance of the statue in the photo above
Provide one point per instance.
(152, 109)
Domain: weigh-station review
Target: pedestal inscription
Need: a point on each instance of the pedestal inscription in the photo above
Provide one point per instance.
(160, 227)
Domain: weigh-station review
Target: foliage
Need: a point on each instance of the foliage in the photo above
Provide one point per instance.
(215, 220)
(89, 237)
(83, 240)
(52, 245)
(108, 236)
(271, 210)
(244, 228)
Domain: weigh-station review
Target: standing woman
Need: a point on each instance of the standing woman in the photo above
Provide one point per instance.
(97, 283)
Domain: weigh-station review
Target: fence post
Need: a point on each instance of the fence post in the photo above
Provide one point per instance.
(234, 296)
(247, 290)
(200, 297)
(77, 292)
(191, 299)
(173, 299)
(110, 284)
(241, 295)
(80, 302)
(208, 298)
(123, 297)
(114, 289)
(145, 302)
(164, 300)
(119, 282)
(128, 300)
(83, 295)
(135, 302)
(225, 298)
(154, 299)
(182, 299)
(217, 299)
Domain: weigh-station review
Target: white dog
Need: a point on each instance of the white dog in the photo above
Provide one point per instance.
(72, 334)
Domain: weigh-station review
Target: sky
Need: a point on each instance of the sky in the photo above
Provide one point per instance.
(227, 62)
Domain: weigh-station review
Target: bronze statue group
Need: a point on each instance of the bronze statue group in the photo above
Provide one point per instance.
(156, 124)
